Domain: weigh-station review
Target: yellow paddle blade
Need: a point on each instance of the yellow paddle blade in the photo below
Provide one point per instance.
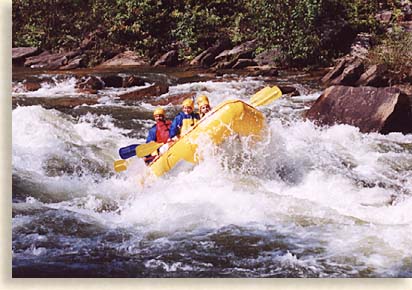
(147, 148)
(265, 96)
(120, 165)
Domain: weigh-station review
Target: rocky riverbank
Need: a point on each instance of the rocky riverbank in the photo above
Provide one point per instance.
(355, 88)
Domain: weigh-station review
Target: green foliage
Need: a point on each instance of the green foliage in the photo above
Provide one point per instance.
(395, 52)
(306, 31)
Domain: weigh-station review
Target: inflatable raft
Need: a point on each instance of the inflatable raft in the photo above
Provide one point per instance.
(233, 117)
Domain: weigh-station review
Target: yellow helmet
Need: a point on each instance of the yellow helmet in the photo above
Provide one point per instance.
(158, 111)
(203, 102)
(188, 103)
(202, 98)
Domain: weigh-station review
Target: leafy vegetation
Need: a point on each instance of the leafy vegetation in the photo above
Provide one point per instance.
(305, 31)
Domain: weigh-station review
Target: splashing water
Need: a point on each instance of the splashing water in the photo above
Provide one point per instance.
(305, 202)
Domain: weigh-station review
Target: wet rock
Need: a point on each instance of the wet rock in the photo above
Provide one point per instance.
(175, 99)
(374, 76)
(228, 58)
(114, 81)
(127, 58)
(242, 63)
(170, 58)
(31, 85)
(264, 70)
(132, 81)
(370, 109)
(156, 89)
(207, 57)
(89, 85)
(54, 103)
(286, 90)
(19, 54)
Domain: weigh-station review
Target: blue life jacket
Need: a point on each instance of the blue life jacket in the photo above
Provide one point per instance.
(182, 122)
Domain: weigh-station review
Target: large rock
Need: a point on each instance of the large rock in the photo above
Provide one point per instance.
(370, 109)
(170, 58)
(127, 58)
(156, 90)
(19, 54)
(228, 58)
(264, 70)
(374, 76)
(335, 71)
(269, 57)
(207, 57)
(47, 60)
(89, 85)
(59, 103)
(174, 99)
(350, 74)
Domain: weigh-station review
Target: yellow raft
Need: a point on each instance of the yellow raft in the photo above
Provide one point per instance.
(233, 117)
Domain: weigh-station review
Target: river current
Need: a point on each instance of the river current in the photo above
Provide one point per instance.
(307, 201)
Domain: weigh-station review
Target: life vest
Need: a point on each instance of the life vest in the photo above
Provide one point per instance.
(162, 131)
(186, 125)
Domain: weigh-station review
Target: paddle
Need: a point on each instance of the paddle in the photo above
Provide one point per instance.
(134, 150)
(147, 148)
(265, 96)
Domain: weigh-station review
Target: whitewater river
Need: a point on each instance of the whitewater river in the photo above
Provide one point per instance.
(306, 202)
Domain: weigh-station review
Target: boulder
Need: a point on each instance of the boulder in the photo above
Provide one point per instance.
(132, 81)
(264, 70)
(293, 91)
(89, 85)
(156, 89)
(74, 63)
(170, 58)
(207, 57)
(335, 72)
(370, 109)
(374, 76)
(268, 57)
(127, 58)
(114, 81)
(46, 60)
(228, 58)
(244, 62)
(54, 103)
(31, 85)
(350, 74)
(175, 99)
(19, 54)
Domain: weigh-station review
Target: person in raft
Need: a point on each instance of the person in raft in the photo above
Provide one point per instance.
(184, 120)
(203, 105)
(158, 133)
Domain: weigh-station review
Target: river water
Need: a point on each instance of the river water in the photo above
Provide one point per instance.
(306, 202)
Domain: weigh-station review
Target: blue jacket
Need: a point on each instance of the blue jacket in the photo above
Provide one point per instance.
(159, 132)
(152, 134)
(178, 121)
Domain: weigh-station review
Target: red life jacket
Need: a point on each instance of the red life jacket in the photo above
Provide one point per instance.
(162, 131)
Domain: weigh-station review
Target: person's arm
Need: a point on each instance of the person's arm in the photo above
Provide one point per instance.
(174, 128)
(152, 135)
